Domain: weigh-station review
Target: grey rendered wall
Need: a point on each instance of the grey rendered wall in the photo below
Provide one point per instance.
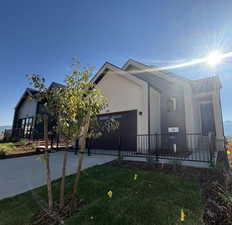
(155, 112)
(167, 89)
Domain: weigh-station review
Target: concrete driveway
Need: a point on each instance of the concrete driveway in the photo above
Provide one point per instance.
(22, 174)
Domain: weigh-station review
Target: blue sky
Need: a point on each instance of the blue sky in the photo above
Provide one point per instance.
(42, 37)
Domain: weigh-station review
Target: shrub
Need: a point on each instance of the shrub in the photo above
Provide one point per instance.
(11, 139)
(218, 209)
(23, 142)
(7, 147)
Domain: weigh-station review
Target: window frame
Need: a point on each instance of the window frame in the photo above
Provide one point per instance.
(25, 125)
(172, 104)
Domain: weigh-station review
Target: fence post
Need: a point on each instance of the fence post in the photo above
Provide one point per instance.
(57, 142)
(119, 148)
(211, 148)
(156, 148)
(76, 146)
(89, 146)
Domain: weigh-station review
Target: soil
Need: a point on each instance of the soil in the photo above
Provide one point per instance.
(174, 154)
(17, 154)
(22, 153)
(57, 216)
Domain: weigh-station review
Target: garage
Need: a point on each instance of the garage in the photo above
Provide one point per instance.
(124, 137)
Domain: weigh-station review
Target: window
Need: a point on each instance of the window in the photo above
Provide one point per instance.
(172, 104)
(28, 127)
(25, 127)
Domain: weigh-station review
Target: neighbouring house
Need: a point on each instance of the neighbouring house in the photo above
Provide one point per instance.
(5, 132)
(149, 104)
(27, 122)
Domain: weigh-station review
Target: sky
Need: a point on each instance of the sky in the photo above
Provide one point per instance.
(43, 36)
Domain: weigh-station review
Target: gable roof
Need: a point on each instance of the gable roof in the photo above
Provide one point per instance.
(31, 92)
(28, 92)
(200, 85)
(55, 84)
(158, 71)
(109, 67)
(143, 72)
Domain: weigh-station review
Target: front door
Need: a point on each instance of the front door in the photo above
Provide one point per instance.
(207, 118)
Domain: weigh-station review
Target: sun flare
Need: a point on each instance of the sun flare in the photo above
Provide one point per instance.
(214, 58)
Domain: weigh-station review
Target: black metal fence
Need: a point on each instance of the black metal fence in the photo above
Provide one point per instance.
(171, 146)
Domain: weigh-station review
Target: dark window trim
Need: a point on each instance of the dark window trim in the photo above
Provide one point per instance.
(25, 126)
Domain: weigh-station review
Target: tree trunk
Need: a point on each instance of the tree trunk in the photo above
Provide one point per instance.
(62, 185)
(47, 165)
(80, 160)
(82, 143)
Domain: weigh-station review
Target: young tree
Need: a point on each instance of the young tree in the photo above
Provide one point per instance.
(80, 103)
(48, 98)
(75, 107)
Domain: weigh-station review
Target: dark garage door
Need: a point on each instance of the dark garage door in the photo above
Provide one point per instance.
(125, 134)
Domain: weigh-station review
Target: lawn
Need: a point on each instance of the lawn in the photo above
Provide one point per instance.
(154, 198)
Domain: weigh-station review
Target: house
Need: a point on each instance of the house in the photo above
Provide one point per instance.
(153, 107)
(26, 122)
(152, 104)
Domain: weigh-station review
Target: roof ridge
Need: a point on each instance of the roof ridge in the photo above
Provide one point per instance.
(167, 72)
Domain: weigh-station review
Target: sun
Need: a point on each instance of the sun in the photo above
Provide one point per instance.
(214, 58)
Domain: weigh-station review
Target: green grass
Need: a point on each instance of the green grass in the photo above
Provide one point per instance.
(9, 146)
(152, 199)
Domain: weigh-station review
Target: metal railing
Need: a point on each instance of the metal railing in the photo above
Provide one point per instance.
(170, 146)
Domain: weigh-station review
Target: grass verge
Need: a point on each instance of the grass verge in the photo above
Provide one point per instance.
(154, 198)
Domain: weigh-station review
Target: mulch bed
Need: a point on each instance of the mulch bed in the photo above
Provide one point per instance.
(17, 154)
(57, 216)
(21, 154)
(169, 153)
(215, 185)
(173, 154)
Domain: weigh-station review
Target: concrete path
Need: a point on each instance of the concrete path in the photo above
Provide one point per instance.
(22, 174)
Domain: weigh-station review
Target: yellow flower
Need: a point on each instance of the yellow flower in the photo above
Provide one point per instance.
(135, 176)
(69, 173)
(182, 215)
(228, 152)
(110, 193)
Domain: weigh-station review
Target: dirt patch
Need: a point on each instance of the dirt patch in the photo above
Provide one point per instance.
(21, 154)
(18, 153)
(173, 154)
(56, 216)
